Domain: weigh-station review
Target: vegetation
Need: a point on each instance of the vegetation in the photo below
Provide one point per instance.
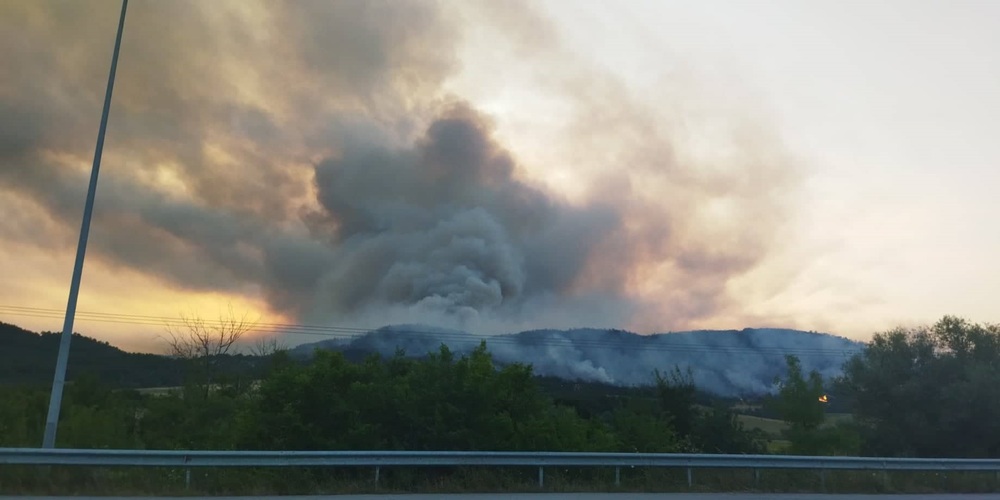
(924, 392)
(28, 359)
(800, 404)
(441, 402)
(928, 392)
(205, 345)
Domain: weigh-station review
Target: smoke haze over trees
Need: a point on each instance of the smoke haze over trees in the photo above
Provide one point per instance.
(727, 363)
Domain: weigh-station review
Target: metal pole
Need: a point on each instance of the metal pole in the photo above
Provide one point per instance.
(59, 380)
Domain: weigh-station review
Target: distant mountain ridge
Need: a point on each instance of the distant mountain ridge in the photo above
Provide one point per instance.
(725, 362)
(30, 358)
(730, 363)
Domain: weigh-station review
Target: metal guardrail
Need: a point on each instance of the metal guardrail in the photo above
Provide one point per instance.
(377, 459)
(174, 458)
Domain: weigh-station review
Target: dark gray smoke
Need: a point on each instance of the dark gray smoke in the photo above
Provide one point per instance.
(445, 227)
(309, 152)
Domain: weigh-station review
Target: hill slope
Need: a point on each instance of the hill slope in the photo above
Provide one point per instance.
(728, 363)
(30, 358)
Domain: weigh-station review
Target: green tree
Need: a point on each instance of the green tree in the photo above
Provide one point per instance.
(798, 401)
(928, 391)
(718, 430)
(671, 421)
(96, 416)
(437, 403)
(639, 427)
(22, 416)
(801, 404)
(676, 395)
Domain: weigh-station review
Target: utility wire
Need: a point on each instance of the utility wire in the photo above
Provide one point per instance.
(658, 343)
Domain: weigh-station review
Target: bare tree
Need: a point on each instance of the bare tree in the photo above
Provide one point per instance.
(203, 342)
(266, 347)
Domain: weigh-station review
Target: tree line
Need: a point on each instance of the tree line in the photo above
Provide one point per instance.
(927, 392)
(440, 402)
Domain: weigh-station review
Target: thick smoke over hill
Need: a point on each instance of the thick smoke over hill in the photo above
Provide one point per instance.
(445, 227)
(727, 363)
(333, 172)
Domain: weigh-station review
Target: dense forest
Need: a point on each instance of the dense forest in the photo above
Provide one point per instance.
(931, 391)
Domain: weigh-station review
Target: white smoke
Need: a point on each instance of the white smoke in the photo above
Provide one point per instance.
(727, 363)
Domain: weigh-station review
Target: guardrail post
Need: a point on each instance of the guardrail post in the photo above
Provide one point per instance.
(181, 461)
(822, 480)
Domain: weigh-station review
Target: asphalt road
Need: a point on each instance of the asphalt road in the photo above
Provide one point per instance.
(576, 496)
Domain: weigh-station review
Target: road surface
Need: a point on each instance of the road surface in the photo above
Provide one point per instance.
(577, 496)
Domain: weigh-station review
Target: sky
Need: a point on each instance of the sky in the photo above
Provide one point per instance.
(501, 166)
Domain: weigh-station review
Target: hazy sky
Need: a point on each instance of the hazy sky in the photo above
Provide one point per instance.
(498, 166)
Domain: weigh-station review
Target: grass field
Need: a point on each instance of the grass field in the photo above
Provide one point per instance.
(773, 427)
(157, 391)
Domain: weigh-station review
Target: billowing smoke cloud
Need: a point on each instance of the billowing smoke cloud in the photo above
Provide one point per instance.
(446, 227)
(311, 151)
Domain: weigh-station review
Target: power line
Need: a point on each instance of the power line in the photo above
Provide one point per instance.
(351, 332)
(656, 343)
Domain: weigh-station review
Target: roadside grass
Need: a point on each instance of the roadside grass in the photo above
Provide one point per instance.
(778, 446)
(27, 480)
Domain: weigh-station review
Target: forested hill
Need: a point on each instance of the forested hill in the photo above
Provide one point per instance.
(726, 363)
(730, 363)
(29, 358)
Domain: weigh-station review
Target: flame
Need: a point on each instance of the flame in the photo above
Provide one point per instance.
(823, 399)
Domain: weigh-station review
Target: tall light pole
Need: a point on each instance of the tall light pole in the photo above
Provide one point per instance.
(59, 380)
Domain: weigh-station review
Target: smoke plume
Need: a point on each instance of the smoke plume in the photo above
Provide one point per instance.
(314, 153)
